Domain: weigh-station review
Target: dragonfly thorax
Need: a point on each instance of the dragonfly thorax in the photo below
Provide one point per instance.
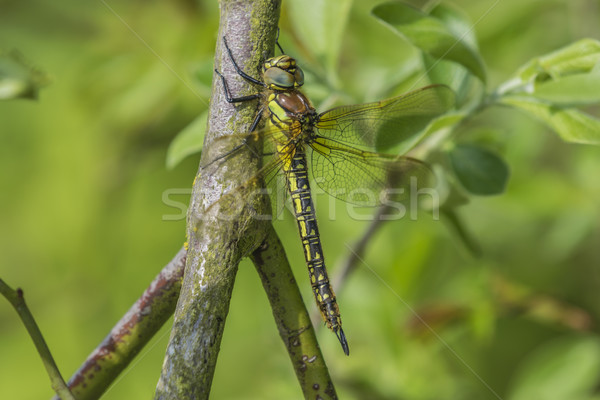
(291, 112)
(282, 73)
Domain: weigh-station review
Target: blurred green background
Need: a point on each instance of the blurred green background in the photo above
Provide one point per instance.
(85, 228)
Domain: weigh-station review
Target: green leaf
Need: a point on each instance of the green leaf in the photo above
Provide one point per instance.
(18, 78)
(457, 77)
(401, 131)
(457, 22)
(480, 171)
(443, 122)
(450, 73)
(431, 34)
(570, 124)
(320, 25)
(187, 142)
(567, 368)
(580, 57)
(547, 86)
(203, 72)
(571, 90)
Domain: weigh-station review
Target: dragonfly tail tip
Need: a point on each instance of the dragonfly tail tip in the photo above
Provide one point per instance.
(342, 338)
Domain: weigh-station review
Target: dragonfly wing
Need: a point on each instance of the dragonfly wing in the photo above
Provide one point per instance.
(384, 124)
(227, 146)
(267, 181)
(362, 177)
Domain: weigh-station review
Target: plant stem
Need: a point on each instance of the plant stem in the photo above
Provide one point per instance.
(293, 321)
(217, 242)
(16, 298)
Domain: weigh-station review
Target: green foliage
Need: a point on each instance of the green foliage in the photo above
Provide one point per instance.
(571, 90)
(18, 78)
(566, 368)
(438, 34)
(324, 33)
(572, 125)
(479, 170)
(548, 87)
(83, 230)
(581, 57)
(187, 142)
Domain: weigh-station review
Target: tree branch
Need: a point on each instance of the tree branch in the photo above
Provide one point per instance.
(131, 333)
(293, 322)
(218, 242)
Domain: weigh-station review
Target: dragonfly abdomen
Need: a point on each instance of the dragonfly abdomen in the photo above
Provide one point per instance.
(297, 180)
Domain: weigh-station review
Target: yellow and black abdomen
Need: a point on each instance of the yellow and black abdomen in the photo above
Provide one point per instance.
(297, 181)
(289, 112)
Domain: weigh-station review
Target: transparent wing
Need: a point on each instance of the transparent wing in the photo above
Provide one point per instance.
(267, 181)
(383, 124)
(340, 168)
(363, 177)
(227, 146)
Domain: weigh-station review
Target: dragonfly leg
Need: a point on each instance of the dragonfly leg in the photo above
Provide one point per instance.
(231, 99)
(277, 42)
(256, 120)
(245, 143)
(222, 156)
(239, 70)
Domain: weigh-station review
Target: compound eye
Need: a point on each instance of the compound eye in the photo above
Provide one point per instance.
(299, 76)
(279, 78)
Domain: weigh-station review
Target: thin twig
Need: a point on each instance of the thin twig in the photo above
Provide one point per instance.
(16, 298)
(293, 322)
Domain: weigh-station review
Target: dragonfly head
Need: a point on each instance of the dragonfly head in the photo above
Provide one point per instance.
(282, 73)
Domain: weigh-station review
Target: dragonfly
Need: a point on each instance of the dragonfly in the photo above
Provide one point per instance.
(342, 146)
